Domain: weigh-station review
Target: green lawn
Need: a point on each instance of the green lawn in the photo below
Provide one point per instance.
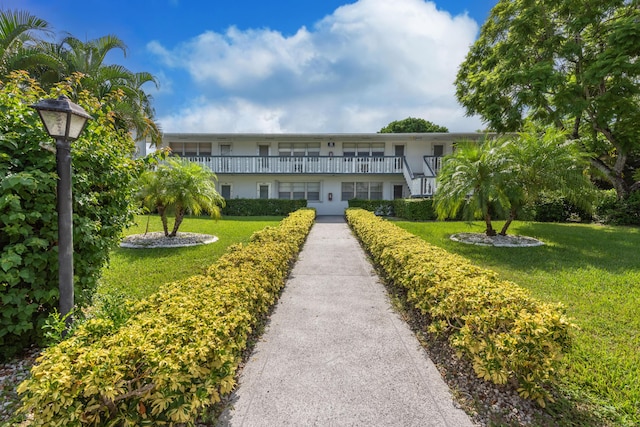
(136, 273)
(595, 272)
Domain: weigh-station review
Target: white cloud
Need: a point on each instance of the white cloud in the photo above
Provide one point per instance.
(356, 70)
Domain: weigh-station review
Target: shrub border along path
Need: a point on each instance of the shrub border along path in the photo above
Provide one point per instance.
(507, 335)
(180, 349)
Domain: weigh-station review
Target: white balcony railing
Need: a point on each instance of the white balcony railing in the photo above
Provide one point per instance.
(432, 164)
(306, 165)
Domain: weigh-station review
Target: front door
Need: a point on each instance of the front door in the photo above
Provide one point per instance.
(225, 191)
(263, 152)
(398, 151)
(263, 191)
(397, 191)
(225, 164)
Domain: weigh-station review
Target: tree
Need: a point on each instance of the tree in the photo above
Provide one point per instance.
(103, 204)
(573, 64)
(543, 160)
(470, 180)
(412, 125)
(133, 105)
(50, 63)
(181, 187)
(18, 40)
(504, 175)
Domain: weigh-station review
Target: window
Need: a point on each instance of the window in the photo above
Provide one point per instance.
(204, 149)
(375, 190)
(299, 191)
(348, 149)
(363, 149)
(438, 150)
(177, 148)
(348, 191)
(361, 190)
(190, 149)
(300, 149)
(377, 149)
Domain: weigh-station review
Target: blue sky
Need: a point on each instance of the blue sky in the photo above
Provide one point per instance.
(286, 65)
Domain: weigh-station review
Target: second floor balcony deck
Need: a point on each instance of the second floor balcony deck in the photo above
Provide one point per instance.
(301, 164)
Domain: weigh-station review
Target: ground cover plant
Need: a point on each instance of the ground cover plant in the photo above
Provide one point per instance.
(510, 337)
(178, 352)
(136, 273)
(595, 272)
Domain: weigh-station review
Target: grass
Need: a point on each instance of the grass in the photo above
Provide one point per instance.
(137, 273)
(595, 272)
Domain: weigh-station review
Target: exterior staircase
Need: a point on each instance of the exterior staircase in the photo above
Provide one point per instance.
(422, 184)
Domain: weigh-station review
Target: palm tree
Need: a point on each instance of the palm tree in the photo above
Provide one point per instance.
(182, 187)
(545, 160)
(506, 174)
(470, 180)
(112, 82)
(115, 86)
(19, 46)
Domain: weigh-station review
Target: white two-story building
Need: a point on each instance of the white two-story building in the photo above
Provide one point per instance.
(325, 169)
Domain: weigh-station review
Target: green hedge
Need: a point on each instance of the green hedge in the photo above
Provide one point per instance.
(262, 207)
(379, 207)
(415, 209)
(555, 208)
(179, 351)
(409, 209)
(498, 326)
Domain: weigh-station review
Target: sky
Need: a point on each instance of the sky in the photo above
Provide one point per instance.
(285, 66)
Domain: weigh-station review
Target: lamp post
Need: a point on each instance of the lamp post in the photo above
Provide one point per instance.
(64, 121)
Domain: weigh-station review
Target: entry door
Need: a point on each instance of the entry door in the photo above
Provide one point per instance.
(225, 151)
(263, 191)
(263, 152)
(398, 151)
(397, 191)
(225, 191)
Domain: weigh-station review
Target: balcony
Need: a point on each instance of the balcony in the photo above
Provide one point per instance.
(301, 165)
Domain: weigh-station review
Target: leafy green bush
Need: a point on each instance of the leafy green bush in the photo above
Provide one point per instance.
(410, 209)
(179, 350)
(610, 210)
(103, 169)
(379, 207)
(507, 335)
(262, 207)
(415, 209)
(552, 207)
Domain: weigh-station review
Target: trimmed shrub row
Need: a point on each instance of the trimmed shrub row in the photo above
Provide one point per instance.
(509, 336)
(409, 209)
(179, 351)
(415, 209)
(262, 207)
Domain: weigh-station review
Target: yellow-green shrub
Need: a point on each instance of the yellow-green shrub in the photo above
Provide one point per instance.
(180, 349)
(508, 335)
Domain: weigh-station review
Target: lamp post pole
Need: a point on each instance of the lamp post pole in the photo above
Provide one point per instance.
(65, 229)
(64, 121)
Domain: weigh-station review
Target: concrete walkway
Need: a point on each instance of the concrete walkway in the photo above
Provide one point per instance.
(336, 354)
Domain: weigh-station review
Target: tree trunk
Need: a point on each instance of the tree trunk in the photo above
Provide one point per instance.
(489, 231)
(163, 216)
(512, 216)
(177, 222)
